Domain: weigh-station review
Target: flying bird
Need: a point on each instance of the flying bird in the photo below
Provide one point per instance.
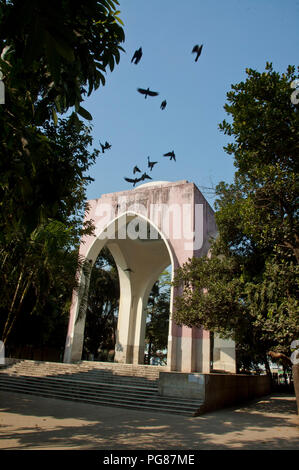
(197, 49)
(171, 155)
(147, 92)
(106, 146)
(137, 56)
(163, 104)
(133, 180)
(136, 169)
(145, 176)
(150, 164)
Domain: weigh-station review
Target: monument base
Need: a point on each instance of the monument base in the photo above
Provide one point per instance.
(214, 390)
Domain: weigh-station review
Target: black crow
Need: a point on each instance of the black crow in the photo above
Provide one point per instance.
(147, 92)
(145, 176)
(171, 155)
(197, 49)
(137, 56)
(106, 146)
(133, 180)
(150, 164)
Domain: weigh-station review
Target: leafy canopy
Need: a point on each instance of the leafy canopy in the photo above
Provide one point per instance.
(247, 288)
(54, 53)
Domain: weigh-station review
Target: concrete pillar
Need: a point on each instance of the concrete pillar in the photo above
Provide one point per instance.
(203, 362)
(145, 261)
(75, 334)
(124, 346)
(189, 349)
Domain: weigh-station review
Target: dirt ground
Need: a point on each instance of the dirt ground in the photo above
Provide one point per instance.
(34, 423)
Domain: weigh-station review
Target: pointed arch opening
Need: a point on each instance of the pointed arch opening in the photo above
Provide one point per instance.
(139, 253)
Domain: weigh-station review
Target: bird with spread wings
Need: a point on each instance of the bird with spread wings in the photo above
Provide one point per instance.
(171, 155)
(133, 180)
(150, 164)
(147, 92)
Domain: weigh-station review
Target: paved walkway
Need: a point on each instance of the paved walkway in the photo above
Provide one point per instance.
(29, 422)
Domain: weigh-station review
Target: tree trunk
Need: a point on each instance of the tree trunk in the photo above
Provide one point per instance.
(8, 327)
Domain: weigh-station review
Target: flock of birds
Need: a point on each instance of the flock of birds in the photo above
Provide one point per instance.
(147, 92)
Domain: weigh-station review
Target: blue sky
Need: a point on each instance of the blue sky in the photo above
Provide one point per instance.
(235, 34)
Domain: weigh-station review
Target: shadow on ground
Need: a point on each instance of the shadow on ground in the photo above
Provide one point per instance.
(28, 422)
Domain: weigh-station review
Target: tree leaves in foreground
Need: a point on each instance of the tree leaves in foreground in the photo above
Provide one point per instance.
(41, 227)
(52, 55)
(247, 289)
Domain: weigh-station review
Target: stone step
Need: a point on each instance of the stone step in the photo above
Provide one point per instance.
(89, 387)
(93, 376)
(85, 375)
(149, 372)
(96, 387)
(101, 394)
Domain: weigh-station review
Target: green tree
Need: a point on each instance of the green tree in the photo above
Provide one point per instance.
(51, 51)
(38, 240)
(48, 53)
(52, 55)
(265, 128)
(247, 289)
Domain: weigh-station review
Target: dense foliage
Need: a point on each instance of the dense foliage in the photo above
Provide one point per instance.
(247, 288)
(41, 227)
(51, 56)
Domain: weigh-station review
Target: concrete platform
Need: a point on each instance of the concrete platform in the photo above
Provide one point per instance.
(36, 423)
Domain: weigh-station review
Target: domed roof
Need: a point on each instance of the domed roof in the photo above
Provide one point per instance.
(152, 183)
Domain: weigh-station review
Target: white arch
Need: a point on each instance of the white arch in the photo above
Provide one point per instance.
(129, 213)
(130, 337)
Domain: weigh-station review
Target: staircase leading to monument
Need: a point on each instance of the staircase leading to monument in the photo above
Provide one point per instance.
(99, 383)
